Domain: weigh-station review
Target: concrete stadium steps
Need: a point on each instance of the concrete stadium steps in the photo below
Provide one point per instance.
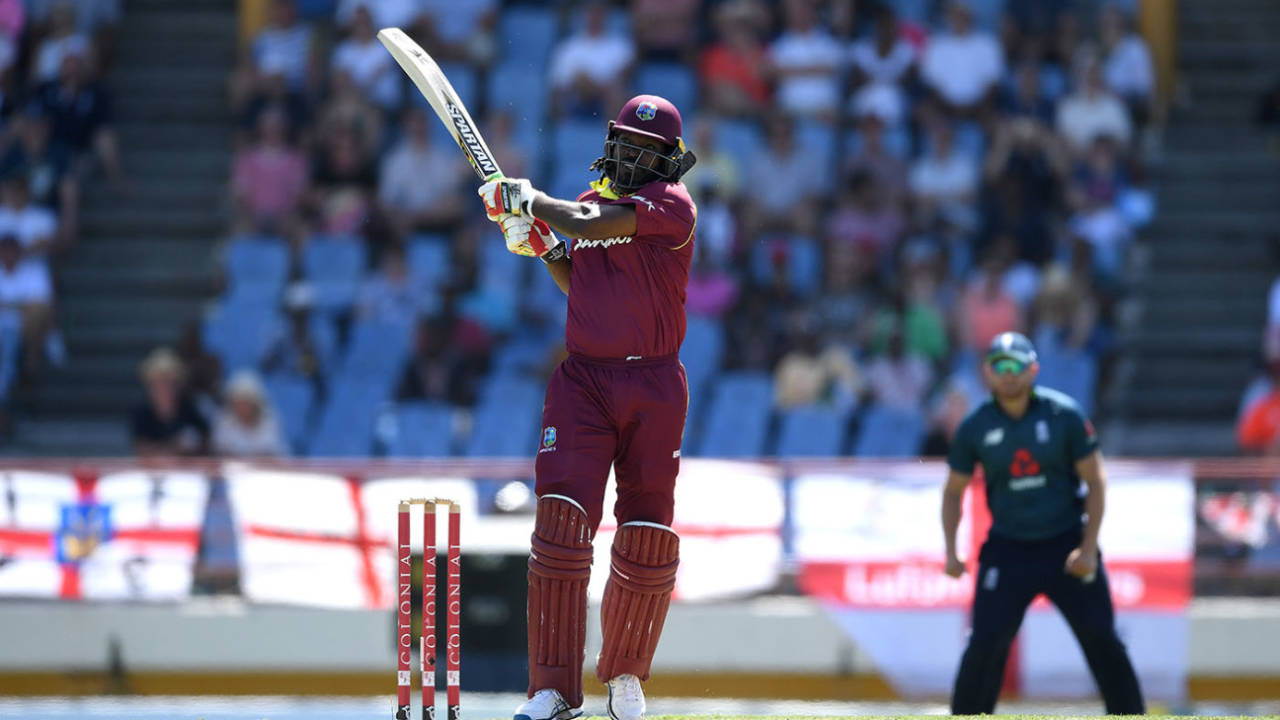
(144, 264)
(1214, 247)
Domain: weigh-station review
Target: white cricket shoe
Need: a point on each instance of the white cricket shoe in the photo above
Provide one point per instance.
(626, 698)
(546, 704)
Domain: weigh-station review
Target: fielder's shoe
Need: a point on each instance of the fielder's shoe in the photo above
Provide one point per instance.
(546, 704)
(626, 698)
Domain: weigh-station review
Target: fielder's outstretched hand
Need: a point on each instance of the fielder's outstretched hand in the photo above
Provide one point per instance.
(507, 196)
(531, 238)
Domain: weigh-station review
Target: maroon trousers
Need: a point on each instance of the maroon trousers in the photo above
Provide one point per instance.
(626, 414)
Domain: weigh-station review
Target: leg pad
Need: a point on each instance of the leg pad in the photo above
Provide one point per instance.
(636, 598)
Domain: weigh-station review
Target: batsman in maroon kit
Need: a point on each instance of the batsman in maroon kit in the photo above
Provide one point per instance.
(618, 400)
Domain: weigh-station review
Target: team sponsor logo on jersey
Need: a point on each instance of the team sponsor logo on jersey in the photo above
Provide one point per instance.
(646, 111)
(603, 243)
(1042, 431)
(1024, 471)
(647, 202)
(993, 437)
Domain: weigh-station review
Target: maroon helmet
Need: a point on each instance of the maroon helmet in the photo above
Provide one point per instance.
(631, 167)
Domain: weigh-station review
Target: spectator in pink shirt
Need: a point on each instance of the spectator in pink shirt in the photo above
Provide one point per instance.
(986, 309)
(269, 177)
(864, 219)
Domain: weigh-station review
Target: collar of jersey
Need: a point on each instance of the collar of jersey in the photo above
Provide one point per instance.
(604, 187)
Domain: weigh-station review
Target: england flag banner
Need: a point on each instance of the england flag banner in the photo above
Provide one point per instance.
(869, 546)
(123, 536)
(325, 539)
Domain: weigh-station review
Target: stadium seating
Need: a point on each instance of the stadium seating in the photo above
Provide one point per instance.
(256, 268)
(527, 34)
(422, 430)
(239, 334)
(804, 263)
(507, 418)
(812, 431)
(346, 424)
(890, 433)
(737, 421)
(293, 399)
(427, 258)
(674, 82)
(376, 352)
(334, 266)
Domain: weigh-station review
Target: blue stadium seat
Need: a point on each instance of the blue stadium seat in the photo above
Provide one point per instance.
(672, 81)
(334, 266)
(427, 258)
(916, 11)
(325, 336)
(506, 421)
(737, 421)
(527, 34)
(239, 333)
(815, 431)
(522, 356)
(293, 398)
(890, 433)
(701, 354)
(897, 142)
(346, 422)
(819, 141)
(577, 144)
(257, 269)
(376, 352)
(423, 430)
(499, 267)
(618, 23)
(1072, 372)
(739, 138)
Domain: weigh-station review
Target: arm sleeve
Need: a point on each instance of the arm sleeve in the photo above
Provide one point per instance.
(962, 457)
(1081, 437)
(665, 220)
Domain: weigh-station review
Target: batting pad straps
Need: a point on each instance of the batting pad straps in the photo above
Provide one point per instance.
(559, 568)
(636, 598)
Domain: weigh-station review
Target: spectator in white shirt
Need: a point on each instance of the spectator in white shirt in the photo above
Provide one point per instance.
(589, 70)
(63, 39)
(415, 200)
(962, 65)
(944, 175)
(283, 49)
(885, 60)
(391, 296)
(368, 62)
(1092, 110)
(26, 309)
(35, 226)
(247, 426)
(405, 14)
(806, 61)
(461, 30)
(793, 179)
(899, 380)
(1127, 67)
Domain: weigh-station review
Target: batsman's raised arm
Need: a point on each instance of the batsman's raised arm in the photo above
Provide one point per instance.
(517, 196)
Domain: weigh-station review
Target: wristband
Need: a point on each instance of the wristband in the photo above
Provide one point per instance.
(555, 254)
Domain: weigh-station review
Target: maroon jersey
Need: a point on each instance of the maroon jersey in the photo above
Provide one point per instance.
(626, 294)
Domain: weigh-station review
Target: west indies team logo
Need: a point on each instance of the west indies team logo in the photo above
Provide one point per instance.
(549, 436)
(646, 111)
(1023, 464)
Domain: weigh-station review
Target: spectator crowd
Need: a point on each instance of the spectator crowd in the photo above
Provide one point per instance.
(882, 186)
(55, 131)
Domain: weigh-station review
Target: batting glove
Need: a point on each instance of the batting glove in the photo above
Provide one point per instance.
(531, 238)
(507, 196)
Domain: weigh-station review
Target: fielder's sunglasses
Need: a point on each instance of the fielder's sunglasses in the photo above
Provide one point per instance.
(1007, 366)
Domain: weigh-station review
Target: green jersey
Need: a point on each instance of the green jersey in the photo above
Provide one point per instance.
(1029, 463)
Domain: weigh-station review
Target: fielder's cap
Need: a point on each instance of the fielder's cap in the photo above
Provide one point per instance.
(652, 116)
(1012, 345)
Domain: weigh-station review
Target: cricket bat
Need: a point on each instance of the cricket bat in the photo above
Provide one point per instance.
(435, 87)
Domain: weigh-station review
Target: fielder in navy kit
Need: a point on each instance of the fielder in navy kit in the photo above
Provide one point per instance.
(618, 400)
(1035, 447)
